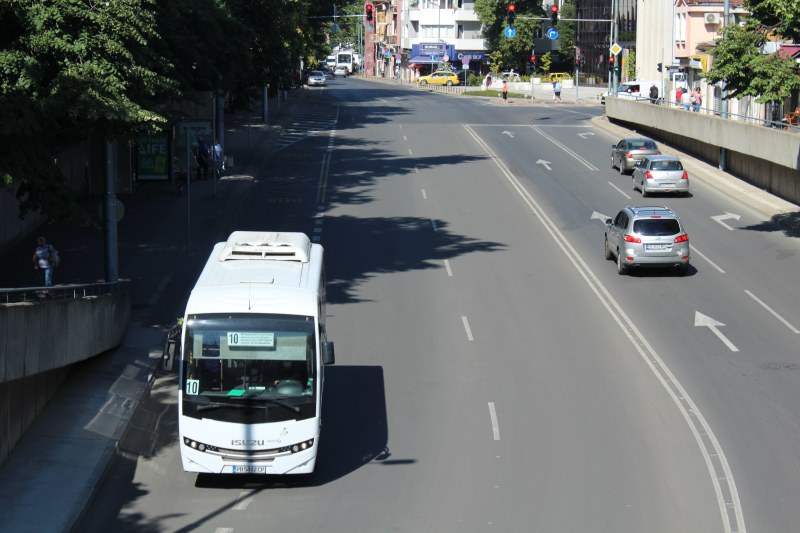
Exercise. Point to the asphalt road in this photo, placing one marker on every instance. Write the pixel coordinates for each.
(494, 373)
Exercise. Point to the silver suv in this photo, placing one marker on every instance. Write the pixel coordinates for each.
(647, 236)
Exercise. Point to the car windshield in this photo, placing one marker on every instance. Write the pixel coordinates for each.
(262, 362)
(317, 73)
(666, 165)
(651, 227)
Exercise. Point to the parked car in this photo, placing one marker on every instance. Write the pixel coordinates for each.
(317, 78)
(647, 236)
(635, 89)
(440, 77)
(660, 173)
(510, 77)
(627, 152)
(327, 73)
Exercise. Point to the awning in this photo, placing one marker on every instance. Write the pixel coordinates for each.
(423, 60)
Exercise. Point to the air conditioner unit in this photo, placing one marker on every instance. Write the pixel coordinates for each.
(712, 18)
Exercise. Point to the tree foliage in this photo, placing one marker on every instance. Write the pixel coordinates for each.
(515, 51)
(739, 60)
(69, 68)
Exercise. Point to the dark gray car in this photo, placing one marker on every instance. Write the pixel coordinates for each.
(647, 236)
(627, 152)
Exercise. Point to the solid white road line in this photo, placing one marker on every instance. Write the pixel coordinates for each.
(694, 249)
(773, 312)
(719, 470)
(623, 193)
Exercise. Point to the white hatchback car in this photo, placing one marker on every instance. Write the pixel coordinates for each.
(660, 174)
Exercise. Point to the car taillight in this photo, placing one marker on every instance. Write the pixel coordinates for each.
(685, 176)
(682, 238)
(629, 156)
(631, 238)
(648, 175)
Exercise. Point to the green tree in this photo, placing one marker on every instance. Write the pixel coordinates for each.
(68, 68)
(740, 63)
(630, 65)
(546, 62)
(566, 31)
(493, 17)
(495, 61)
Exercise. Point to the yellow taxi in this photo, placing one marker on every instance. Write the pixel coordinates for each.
(440, 77)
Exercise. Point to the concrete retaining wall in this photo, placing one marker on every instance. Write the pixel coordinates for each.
(765, 157)
(39, 342)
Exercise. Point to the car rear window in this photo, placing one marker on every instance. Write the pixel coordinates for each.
(666, 165)
(643, 145)
(650, 227)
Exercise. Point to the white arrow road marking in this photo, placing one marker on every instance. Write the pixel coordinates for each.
(584, 135)
(600, 216)
(702, 320)
(509, 134)
(545, 164)
(726, 216)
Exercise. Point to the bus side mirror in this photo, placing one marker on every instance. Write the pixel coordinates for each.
(328, 353)
(172, 348)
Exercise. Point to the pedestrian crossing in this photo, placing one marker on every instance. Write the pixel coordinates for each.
(305, 124)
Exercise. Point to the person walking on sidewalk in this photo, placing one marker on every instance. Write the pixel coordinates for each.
(202, 158)
(505, 91)
(556, 91)
(45, 259)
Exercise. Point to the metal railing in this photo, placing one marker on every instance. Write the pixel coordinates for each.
(758, 121)
(59, 292)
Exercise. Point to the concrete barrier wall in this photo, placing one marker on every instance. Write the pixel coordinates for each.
(39, 342)
(766, 157)
(37, 337)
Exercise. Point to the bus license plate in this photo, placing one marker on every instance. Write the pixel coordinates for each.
(249, 469)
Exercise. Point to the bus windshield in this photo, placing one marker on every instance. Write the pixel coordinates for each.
(249, 368)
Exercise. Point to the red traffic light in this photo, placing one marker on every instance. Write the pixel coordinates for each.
(611, 59)
(511, 7)
(554, 9)
(369, 12)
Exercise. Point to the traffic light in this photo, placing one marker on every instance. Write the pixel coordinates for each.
(610, 63)
(511, 14)
(554, 15)
(659, 67)
(369, 12)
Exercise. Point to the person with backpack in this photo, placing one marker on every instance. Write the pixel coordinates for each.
(653, 94)
(45, 259)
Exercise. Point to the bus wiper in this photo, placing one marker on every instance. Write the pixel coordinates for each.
(221, 405)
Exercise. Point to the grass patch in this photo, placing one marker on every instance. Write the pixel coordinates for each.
(491, 93)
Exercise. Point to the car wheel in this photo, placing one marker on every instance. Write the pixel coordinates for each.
(423, 82)
(644, 192)
(613, 166)
(449, 83)
(621, 168)
(606, 249)
(621, 268)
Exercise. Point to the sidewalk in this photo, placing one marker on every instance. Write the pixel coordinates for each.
(54, 470)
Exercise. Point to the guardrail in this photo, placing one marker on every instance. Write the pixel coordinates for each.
(451, 89)
(58, 292)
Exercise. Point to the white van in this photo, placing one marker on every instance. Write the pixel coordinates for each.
(636, 89)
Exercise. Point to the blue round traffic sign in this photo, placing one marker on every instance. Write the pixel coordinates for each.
(510, 31)
(552, 34)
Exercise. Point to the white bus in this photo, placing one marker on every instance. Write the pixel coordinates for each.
(330, 62)
(347, 58)
(253, 350)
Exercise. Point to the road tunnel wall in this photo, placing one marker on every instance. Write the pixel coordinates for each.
(768, 158)
(39, 341)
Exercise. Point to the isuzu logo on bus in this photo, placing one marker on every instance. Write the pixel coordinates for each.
(246, 442)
